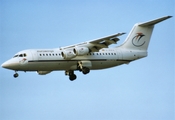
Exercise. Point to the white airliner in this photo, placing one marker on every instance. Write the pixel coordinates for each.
(86, 56)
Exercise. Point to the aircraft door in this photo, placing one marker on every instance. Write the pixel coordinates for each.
(34, 55)
(120, 55)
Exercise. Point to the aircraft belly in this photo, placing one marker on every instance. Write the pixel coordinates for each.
(67, 65)
(50, 65)
(105, 64)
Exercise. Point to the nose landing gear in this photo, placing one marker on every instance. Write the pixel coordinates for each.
(15, 75)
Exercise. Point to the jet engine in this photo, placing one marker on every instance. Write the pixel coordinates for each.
(68, 54)
(81, 51)
(43, 72)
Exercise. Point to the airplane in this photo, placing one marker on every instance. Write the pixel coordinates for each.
(86, 56)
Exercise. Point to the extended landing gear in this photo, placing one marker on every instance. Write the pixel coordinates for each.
(15, 75)
(81, 68)
(85, 70)
(71, 75)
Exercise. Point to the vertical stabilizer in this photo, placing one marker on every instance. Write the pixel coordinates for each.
(140, 35)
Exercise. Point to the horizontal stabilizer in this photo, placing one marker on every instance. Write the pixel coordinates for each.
(153, 22)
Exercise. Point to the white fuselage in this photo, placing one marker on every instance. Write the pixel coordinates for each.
(51, 59)
(86, 56)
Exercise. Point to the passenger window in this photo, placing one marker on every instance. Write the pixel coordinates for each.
(53, 54)
(43, 54)
(50, 54)
(40, 54)
(56, 54)
(25, 55)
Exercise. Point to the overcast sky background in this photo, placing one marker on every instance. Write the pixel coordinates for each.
(142, 90)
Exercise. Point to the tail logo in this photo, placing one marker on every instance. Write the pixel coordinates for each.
(137, 41)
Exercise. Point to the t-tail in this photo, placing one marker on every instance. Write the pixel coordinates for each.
(140, 35)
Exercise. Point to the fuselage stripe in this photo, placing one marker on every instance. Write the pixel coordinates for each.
(98, 60)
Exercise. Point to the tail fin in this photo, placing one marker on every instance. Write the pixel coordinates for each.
(139, 37)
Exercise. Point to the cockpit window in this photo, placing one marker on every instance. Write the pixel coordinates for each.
(15, 56)
(21, 55)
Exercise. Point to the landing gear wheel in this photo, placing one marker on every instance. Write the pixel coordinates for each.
(72, 77)
(15, 75)
(85, 70)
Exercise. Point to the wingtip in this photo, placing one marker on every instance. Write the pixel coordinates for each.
(122, 33)
(169, 16)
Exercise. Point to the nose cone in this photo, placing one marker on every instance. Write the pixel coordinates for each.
(5, 65)
(11, 64)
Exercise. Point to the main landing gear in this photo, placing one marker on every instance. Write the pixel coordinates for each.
(85, 70)
(81, 68)
(72, 76)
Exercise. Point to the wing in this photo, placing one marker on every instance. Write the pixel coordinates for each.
(97, 44)
(70, 52)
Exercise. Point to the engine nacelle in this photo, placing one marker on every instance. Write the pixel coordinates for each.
(43, 72)
(68, 54)
(81, 51)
